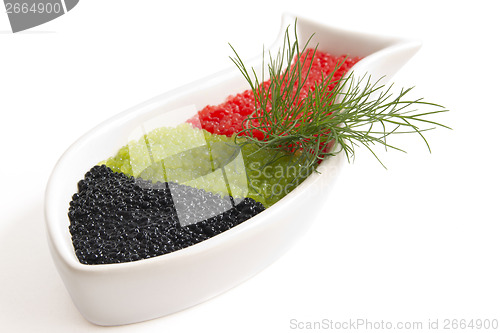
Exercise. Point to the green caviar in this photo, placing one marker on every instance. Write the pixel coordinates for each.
(215, 163)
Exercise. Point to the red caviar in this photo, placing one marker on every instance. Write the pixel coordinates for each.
(226, 118)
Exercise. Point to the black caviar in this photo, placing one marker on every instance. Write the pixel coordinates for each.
(115, 218)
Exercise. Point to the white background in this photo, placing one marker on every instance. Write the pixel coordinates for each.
(417, 241)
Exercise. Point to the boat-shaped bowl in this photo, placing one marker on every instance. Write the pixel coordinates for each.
(122, 293)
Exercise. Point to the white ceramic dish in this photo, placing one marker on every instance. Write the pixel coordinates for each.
(125, 293)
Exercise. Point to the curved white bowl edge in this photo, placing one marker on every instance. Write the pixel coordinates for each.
(137, 291)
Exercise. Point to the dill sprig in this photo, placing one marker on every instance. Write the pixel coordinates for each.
(355, 112)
